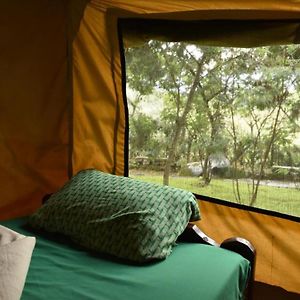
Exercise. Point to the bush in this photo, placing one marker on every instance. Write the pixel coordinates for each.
(232, 173)
(285, 173)
(185, 171)
(220, 172)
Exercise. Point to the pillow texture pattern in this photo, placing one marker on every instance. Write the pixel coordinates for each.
(117, 215)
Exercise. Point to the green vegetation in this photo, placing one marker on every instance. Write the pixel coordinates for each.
(218, 107)
(284, 200)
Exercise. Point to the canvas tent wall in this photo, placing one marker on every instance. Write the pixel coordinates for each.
(62, 104)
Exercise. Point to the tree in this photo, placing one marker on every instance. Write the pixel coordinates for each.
(143, 129)
(187, 74)
(240, 102)
(177, 73)
(263, 100)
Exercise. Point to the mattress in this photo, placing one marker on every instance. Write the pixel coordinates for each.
(58, 270)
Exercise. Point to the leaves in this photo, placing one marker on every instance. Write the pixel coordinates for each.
(243, 103)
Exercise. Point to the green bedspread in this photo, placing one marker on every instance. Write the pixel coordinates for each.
(59, 271)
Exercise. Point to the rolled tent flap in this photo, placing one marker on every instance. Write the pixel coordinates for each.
(223, 33)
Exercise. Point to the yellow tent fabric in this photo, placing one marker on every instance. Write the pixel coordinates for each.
(97, 67)
(276, 240)
(62, 107)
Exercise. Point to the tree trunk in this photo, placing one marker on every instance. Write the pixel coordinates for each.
(189, 150)
(206, 174)
(180, 123)
(235, 179)
(266, 154)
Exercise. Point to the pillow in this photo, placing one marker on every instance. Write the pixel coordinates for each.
(15, 256)
(117, 215)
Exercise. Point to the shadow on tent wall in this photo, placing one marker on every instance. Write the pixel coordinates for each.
(263, 291)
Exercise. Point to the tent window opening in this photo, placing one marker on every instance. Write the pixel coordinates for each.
(222, 122)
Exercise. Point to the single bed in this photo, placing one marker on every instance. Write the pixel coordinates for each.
(60, 270)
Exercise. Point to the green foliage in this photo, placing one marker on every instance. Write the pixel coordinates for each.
(144, 71)
(245, 104)
(143, 129)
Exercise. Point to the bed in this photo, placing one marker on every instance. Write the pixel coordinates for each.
(106, 237)
(60, 270)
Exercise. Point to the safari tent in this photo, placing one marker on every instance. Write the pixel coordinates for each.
(63, 103)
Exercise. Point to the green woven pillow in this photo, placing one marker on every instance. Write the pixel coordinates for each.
(117, 215)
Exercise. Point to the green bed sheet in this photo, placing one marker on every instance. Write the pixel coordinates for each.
(60, 271)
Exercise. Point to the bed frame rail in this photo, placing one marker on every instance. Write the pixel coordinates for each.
(193, 234)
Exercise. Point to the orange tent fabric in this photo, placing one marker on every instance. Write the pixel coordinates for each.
(62, 107)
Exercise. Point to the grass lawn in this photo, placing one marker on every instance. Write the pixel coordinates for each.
(284, 200)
